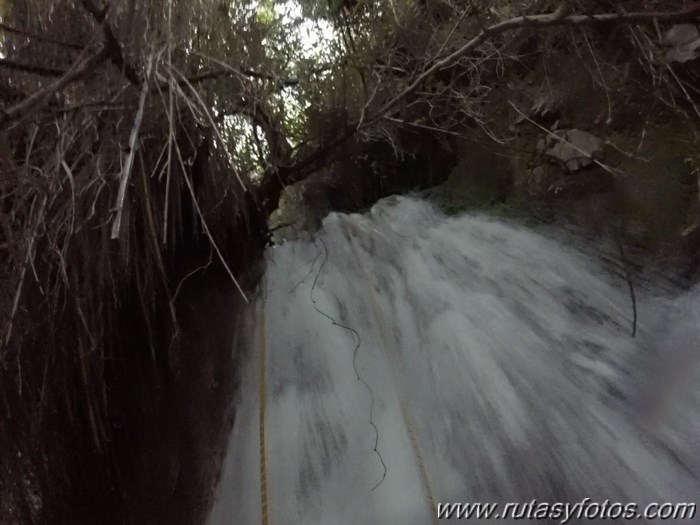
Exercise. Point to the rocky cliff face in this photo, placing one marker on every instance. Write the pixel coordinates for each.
(598, 147)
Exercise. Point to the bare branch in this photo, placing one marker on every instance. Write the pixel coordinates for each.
(211, 75)
(113, 48)
(542, 21)
(133, 144)
(34, 101)
(30, 68)
(40, 38)
(557, 18)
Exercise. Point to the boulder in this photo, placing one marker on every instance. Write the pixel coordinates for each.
(571, 148)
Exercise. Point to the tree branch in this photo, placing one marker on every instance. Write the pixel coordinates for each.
(40, 38)
(113, 48)
(133, 145)
(217, 73)
(557, 18)
(261, 115)
(31, 103)
(543, 21)
(29, 68)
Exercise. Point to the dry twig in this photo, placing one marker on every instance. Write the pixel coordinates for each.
(133, 145)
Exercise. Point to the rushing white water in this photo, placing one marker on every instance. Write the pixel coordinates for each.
(494, 364)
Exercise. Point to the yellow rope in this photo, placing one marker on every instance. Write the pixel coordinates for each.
(263, 449)
(410, 428)
(425, 479)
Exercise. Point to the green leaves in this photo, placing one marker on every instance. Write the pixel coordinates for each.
(265, 13)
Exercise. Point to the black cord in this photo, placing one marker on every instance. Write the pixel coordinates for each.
(356, 334)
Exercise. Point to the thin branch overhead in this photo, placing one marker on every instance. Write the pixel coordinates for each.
(133, 145)
(541, 22)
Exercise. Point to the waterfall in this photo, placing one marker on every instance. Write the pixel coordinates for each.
(413, 358)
